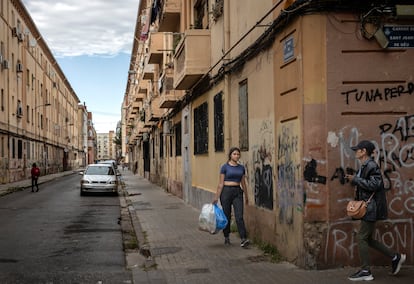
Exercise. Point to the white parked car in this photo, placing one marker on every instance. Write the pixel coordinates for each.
(99, 178)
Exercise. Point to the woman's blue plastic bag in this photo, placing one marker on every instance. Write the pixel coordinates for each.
(221, 219)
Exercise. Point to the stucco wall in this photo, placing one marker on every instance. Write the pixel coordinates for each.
(371, 98)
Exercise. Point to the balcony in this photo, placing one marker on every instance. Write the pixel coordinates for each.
(136, 105)
(149, 71)
(155, 113)
(156, 48)
(170, 16)
(143, 88)
(168, 95)
(192, 58)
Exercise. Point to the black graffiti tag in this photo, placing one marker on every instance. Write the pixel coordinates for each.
(404, 127)
(377, 94)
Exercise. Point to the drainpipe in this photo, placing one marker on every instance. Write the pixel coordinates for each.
(227, 83)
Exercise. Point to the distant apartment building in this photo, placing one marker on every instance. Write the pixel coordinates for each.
(293, 84)
(40, 118)
(105, 146)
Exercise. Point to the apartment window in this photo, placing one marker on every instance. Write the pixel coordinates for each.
(28, 77)
(243, 117)
(19, 149)
(201, 129)
(13, 148)
(2, 147)
(161, 145)
(153, 147)
(218, 122)
(27, 116)
(177, 132)
(171, 146)
(201, 14)
(28, 151)
(2, 99)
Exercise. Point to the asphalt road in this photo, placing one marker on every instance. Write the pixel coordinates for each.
(57, 236)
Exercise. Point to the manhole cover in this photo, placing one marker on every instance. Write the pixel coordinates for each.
(197, 270)
(164, 250)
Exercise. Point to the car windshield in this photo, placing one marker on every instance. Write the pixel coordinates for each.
(99, 171)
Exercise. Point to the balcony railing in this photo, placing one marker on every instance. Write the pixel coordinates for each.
(192, 59)
(170, 16)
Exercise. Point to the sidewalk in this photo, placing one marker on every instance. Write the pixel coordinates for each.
(23, 184)
(180, 253)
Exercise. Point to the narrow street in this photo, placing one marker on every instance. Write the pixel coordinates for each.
(57, 236)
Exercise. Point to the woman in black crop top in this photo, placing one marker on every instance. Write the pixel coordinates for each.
(230, 190)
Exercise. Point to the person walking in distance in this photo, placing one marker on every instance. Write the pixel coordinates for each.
(368, 181)
(231, 189)
(35, 173)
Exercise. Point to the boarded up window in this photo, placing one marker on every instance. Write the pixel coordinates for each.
(201, 129)
(218, 122)
(243, 117)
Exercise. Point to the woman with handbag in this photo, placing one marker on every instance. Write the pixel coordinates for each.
(369, 183)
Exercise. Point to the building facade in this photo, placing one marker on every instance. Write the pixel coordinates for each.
(294, 84)
(39, 116)
(106, 147)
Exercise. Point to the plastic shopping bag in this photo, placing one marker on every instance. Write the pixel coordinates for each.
(207, 219)
(221, 219)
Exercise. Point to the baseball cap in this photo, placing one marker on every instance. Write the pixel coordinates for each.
(365, 144)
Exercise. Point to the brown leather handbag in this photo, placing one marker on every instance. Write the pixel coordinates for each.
(357, 208)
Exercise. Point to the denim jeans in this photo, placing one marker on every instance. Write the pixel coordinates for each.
(365, 241)
(233, 195)
(34, 183)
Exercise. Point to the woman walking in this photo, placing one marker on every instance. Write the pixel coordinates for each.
(369, 182)
(230, 190)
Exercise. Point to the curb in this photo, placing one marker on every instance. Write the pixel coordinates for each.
(138, 259)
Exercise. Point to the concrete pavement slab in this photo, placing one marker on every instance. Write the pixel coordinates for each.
(168, 227)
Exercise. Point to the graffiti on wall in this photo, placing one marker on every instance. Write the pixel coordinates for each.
(263, 170)
(312, 190)
(288, 169)
(373, 95)
(341, 241)
(395, 155)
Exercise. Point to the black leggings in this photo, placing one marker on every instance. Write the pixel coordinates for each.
(233, 195)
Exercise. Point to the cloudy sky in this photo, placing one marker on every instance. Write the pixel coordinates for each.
(92, 42)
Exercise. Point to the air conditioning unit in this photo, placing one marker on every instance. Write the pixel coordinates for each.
(19, 67)
(5, 64)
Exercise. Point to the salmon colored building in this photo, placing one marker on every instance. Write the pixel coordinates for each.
(294, 84)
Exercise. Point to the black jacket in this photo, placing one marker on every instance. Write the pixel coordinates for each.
(370, 181)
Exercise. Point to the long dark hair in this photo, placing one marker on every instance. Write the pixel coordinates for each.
(232, 149)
